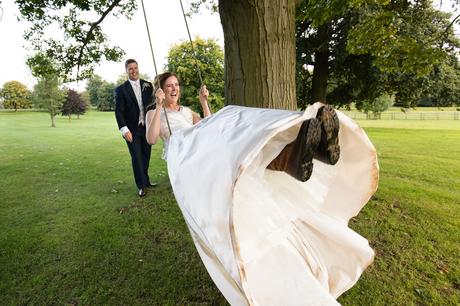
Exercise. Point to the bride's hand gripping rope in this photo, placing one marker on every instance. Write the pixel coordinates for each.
(204, 94)
(159, 97)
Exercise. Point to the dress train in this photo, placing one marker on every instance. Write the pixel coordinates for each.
(264, 237)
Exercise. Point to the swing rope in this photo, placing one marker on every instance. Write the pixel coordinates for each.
(193, 49)
(153, 55)
(155, 64)
(191, 44)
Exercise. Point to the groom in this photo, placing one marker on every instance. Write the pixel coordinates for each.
(131, 99)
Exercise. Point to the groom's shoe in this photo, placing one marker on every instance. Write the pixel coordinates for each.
(141, 192)
(328, 149)
(300, 165)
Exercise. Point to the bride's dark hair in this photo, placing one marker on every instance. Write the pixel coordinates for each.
(162, 79)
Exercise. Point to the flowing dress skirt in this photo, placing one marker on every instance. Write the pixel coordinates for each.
(264, 237)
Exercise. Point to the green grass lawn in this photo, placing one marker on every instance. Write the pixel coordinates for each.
(73, 231)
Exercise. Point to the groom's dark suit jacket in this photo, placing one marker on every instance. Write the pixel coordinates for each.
(127, 114)
(126, 107)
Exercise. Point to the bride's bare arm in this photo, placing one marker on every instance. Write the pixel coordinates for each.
(204, 94)
(153, 125)
(153, 119)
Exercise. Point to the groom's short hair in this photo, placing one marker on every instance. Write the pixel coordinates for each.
(129, 61)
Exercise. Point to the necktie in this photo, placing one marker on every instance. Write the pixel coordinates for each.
(137, 92)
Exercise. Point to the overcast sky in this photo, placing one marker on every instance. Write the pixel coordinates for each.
(166, 24)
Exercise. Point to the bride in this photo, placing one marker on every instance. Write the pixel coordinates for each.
(269, 237)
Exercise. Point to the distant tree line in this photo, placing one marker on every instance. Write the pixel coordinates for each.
(47, 95)
(50, 95)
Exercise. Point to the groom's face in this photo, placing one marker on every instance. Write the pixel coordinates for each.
(133, 71)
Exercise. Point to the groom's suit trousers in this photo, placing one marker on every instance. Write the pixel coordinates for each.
(140, 157)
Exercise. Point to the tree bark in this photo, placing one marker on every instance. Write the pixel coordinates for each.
(52, 121)
(259, 38)
(321, 69)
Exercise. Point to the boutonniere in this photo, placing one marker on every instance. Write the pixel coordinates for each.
(146, 85)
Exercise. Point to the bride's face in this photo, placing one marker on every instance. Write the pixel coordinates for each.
(171, 90)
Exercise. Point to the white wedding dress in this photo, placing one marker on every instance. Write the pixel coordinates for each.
(264, 237)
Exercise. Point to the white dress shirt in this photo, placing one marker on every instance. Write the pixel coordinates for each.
(136, 85)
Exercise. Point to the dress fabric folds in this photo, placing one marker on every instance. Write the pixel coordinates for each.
(264, 237)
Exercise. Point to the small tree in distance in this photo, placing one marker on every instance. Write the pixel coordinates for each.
(377, 106)
(73, 104)
(15, 95)
(47, 95)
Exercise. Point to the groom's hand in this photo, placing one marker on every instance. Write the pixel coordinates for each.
(128, 136)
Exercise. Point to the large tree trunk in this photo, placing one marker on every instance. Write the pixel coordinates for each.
(321, 70)
(259, 52)
(52, 120)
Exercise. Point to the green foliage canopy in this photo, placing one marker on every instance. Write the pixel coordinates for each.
(101, 93)
(15, 95)
(92, 87)
(106, 97)
(78, 43)
(374, 47)
(443, 87)
(401, 36)
(209, 57)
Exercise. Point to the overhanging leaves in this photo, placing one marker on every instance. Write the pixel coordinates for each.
(76, 43)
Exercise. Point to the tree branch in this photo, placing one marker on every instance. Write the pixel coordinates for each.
(444, 34)
(90, 32)
(452, 22)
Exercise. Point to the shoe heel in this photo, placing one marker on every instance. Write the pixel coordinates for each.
(329, 150)
(333, 154)
(312, 141)
(305, 171)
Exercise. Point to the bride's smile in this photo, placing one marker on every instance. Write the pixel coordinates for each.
(172, 91)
